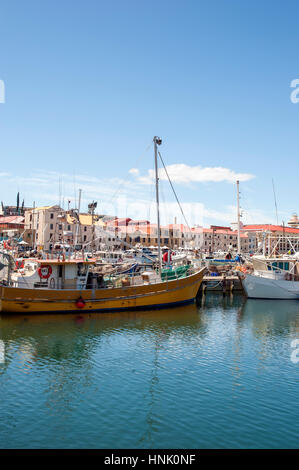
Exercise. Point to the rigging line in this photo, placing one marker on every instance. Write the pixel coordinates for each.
(166, 209)
(174, 191)
(75, 191)
(121, 185)
(162, 198)
(151, 196)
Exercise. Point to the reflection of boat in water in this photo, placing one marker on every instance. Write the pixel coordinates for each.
(80, 356)
(271, 318)
(263, 307)
(51, 330)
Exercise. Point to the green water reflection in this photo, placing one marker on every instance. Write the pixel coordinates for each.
(214, 375)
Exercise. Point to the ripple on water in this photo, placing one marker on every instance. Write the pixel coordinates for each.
(218, 376)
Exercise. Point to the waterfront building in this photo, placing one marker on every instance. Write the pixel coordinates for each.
(44, 226)
(11, 226)
(294, 221)
(276, 239)
(217, 238)
(143, 234)
(49, 225)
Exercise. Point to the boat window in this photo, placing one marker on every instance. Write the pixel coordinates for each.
(82, 269)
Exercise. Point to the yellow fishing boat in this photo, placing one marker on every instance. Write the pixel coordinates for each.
(62, 286)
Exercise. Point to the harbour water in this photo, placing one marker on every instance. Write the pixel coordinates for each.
(218, 375)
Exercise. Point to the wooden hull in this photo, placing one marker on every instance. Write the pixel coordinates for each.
(161, 295)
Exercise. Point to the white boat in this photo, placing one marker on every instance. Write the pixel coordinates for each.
(272, 278)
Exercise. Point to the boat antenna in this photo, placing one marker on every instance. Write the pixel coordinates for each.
(158, 141)
(78, 220)
(33, 227)
(238, 214)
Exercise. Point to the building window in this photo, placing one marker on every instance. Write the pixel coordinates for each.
(51, 226)
(60, 227)
(51, 216)
(85, 238)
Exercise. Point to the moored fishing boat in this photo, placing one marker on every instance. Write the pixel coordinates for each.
(272, 278)
(62, 286)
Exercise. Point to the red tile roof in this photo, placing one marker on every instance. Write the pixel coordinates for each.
(270, 227)
(12, 219)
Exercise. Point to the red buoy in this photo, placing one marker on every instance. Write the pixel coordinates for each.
(80, 303)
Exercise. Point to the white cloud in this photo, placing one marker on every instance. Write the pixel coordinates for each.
(134, 171)
(124, 198)
(181, 173)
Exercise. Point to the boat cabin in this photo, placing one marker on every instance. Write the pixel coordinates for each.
(52, 274)
(276, 268)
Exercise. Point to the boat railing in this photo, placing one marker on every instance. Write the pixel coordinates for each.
(115, 280)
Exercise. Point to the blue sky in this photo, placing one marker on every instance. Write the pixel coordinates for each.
(88, 84)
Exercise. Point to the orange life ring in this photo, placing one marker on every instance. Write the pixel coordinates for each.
(45, 271)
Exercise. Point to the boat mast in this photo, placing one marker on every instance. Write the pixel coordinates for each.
(158, 141)
(275, 202)
(33, 228)
(238, 209)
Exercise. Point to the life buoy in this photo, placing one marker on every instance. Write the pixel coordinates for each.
(80, 303)
(45, 271)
